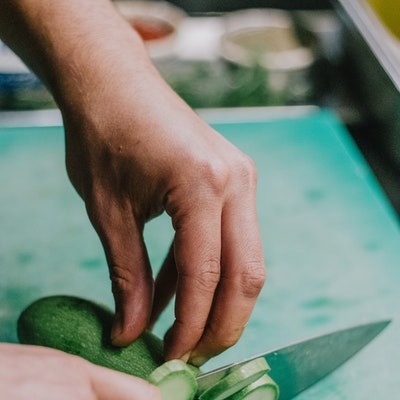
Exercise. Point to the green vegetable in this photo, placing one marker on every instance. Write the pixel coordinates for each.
(236, 380)
(83, 328)
(176, 380)
(263, 388)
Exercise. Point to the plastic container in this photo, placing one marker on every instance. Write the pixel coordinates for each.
(157, 22)
(267, 39)
(19, 87)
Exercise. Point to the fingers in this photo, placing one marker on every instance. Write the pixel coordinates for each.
(108, 385)
(130, 271)
(165, 286)
(197, 255)
(242, 276)
(220, 265)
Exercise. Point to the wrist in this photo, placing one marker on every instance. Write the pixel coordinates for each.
(89, 66)
(79, 49)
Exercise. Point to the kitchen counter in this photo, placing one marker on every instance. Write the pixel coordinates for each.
(331, 239)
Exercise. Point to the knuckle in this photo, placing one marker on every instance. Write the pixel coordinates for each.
(226, 342)
(215, 175)
(252, 279)
(208, 275)
(222, 339)
(121, 279)
(247, 171)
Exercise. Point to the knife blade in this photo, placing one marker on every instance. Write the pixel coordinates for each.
(300, 365)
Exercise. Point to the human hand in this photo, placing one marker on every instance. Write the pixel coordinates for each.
(132, 157)
(134, 149)
(33, 372)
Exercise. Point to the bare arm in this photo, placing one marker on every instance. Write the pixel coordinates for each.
(134, 149)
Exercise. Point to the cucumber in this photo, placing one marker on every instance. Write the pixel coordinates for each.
(176, 380)
(236, 380)
(81, 327)
(264, 388)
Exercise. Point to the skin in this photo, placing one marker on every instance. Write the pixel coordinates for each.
(67, 377)
(134, 150)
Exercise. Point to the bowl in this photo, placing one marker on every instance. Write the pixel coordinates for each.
(267, 39)
(157, 22)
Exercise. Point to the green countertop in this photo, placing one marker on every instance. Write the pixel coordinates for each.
(331, 240)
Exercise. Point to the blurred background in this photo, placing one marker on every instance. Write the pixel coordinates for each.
(340, 54)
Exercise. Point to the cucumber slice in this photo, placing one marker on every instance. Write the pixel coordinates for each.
(175, 379)
(195, 370)
(264, 388)
(236, 380)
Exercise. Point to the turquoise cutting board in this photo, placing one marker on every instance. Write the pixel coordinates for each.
(331, 239)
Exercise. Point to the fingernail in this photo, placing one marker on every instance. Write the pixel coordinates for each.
(198, 361)
(186, 356)
(115, 339)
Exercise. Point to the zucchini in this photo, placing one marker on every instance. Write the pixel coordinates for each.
(264, 388)
(236, 380)
(83, 328)
(176, 380)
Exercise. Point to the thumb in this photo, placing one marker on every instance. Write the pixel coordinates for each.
(130, 273)
(108, 384)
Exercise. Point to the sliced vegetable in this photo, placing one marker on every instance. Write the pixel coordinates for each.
(81, 327)
(195, 370)
(175, 379)
(236, 380)
(264, 388)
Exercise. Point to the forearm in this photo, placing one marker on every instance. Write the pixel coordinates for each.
(133, 150)
(73, 45)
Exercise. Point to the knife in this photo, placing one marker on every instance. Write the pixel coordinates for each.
(300, 365)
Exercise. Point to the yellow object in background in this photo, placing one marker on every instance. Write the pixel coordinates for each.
(389, 13)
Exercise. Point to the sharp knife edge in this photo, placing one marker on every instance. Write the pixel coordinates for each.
(299, 365)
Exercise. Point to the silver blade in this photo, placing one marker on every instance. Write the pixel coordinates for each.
(300, 365)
